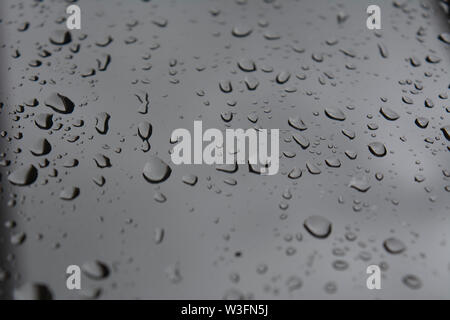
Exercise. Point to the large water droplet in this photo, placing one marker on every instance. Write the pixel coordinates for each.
(318, 226)
(144, 130)
(360, 183)
(23, 176)
(297, 123)
(101, 122)
(59, 103)
(394, 246)
(301, 140)
(377, 149)
(389, 114)
(446, 131)
(44, 121)
(32, 291)
(412, 281)
(102, 161)
(335, 114)
(156, 170)
(40, 147)
(95, 269)
(61, 37)
(241, 31)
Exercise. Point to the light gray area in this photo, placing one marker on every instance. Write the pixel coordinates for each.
(213, 240)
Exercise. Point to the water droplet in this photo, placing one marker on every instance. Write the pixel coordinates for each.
(444, 37)
(247, 65)
(69, 193)
(159, 197)
(407, 100)
(412, 281)
(95, 269)
(422, 122)
(389, 114)
(383, 50)
(190, 179)
(18, 238)
(295, 173)
(32, 291)
(241, 31)
(102, 161)
(394, 246)
(333, 162)
(59, 103)
(429, 103)
(229, 168)
(44, 121)
(349, 133)
(297, 123)
(340, 265)
(301, 140)
(158, 235)
(360, 183)
(377, 149)
(446, 131)
(318, 226)
(144, 130)
(60, 37)
(283, 77)
(101, 122)
(40, 147)
(225, 86)
(23, 176)
(156, 170)
(335, 114)
(312, 168)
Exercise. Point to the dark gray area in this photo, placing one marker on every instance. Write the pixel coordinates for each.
(230, 235)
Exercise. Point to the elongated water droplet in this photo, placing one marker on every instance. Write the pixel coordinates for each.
(333, 162)
(23, 176)
(394, 246)
(335, 114)
(247, 65)
(59, 103)
(301, 140)
(318, 226)
(389, 114)
(312, 168)
(295, 173)
(144, 130)
(225, 86)
(297, 123)
(101, 122)
(44, 121)
(283, 77)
